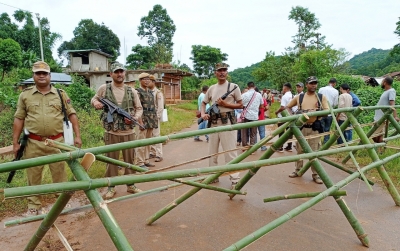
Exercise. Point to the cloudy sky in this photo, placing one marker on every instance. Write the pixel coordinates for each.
(245, 30)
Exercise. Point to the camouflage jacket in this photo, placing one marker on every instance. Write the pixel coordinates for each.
(149, 116)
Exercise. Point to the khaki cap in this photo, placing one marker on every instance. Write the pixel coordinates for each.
(144, 75)
(152, 77)
(221, 66)
(41, 66)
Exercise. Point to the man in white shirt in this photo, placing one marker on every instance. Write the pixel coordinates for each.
(345, 100)
(252, 102)
(332, 95)
(286, 98)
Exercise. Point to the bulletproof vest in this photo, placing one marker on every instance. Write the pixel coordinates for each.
(149, 116)
(127, 105)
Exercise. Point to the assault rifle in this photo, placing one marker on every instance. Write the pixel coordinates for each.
(112, 108)
(214, 108)
(22, 142)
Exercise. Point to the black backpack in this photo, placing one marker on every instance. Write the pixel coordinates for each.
(301, 97)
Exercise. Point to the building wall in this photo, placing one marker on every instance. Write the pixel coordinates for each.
(76, 63)
(97, 62)
(96, 80)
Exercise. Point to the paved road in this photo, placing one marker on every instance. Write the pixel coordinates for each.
(210, 221)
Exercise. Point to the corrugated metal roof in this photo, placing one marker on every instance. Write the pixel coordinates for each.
(55, 78)
(90, 50)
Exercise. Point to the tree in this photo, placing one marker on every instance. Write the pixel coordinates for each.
(307, 36)
(204, 58)
(29, 58)
(158, 28)
(10, 55)
(141, 58)
(90, 35)
(396, 48)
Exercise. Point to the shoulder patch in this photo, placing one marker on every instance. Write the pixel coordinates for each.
(28, 88)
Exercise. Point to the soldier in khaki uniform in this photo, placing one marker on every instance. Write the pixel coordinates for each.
(121, 129)
(148, 119)
(156, 150)
(311, 102)
(226, 117)
(39, 110)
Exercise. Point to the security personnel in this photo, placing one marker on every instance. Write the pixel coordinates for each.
(308, 102)
(148, 119)
(225, 117)
(121, 129)
(156, 150)
(39, 110)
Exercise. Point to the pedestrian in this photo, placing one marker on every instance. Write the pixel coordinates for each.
(156, 150)
(149, 120)
(387, 98)
(121, 129)
(252, 102)
(238, 112)
(355, 102)
(307, 102)
(332, 95)
(261, 116)
(225, 117)
(40, 110)
(299, 88)
(268, 98)
(286, 98)
(345, 100)
(202, 125)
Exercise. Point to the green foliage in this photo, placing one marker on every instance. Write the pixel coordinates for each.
(204, 59)
(396, 47)
(29, 57)
(242, 76)
(6, 124)
(91, 35)
(369, 96)
(141, 58)
(355, 83)
(10, 55)
(191, 83)
(367, 63)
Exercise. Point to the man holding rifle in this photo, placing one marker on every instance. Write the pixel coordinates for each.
(226, 116)
(120, 129)
(40, 111)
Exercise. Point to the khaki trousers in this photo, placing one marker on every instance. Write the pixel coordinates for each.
(156, 149)
(142, 153)
(314, 144)
(34, 149)
(127, 154)
(228, 142)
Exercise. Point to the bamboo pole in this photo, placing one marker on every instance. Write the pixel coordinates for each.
(101, 209)
(358, 229)
(16, 192)
(306, 205)
(201, 185)
(302, 195)
(374, 156)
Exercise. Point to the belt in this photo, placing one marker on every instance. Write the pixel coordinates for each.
(43, 138)
(307, 125)
(149, 109)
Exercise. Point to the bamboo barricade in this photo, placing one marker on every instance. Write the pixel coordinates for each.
(289, 128)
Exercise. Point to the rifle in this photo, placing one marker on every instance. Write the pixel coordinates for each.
(114, 108)
(214, 108)
(22, 142)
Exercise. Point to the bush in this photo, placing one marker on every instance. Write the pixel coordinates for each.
(6, 124)
(355, 83)
(369, 96)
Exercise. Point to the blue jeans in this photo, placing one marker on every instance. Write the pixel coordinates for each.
(327, 122)
(347, 134)
(202, 125)
(261, 132)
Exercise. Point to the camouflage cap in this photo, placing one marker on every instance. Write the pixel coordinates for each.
(221, 66)
(117, 66)
(312, 79)
(143, 75)
(152, 77)
(300, 84)
(41, 66)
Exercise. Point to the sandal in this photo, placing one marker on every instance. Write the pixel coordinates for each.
(158, 159)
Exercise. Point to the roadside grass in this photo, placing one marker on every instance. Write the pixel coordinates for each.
(180, 116)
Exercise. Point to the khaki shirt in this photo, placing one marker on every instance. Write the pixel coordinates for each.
(158, 101)
(42, 113)
(345, 100)
(310, 102)
(216, 91)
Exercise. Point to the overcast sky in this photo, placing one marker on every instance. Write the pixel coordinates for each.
(245, 30)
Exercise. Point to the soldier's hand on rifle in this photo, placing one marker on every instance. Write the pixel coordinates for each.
(221, 102)
(97, 104)
(16, 148)
(205, 116)
(128, 121)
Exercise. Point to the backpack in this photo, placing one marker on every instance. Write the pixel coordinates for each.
(301, 97)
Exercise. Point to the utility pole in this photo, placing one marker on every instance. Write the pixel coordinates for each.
(40, 36)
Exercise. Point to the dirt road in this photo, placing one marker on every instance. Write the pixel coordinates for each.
(210, 221)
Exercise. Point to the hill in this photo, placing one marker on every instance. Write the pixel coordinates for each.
(242, 76)
(375, 62)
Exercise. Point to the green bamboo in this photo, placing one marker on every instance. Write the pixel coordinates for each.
(48, 221)
(371, 131)
(330, 142)
(16, 192)
(270, 151)
(374, 156)
(334, 164)
(358, 229)
(204, 186)
(211, 178)
(101, 209)
(394, 123)
(306, 205)
(301, 195)
(79, 209)
(391, 138)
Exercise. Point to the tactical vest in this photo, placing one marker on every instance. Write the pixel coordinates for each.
(149, 116)
(127, 105)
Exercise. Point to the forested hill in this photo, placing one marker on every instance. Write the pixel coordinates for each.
(242, 76)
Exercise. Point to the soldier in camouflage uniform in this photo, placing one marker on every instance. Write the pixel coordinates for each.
(149, 120)
(156, 150)
(121, 129)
